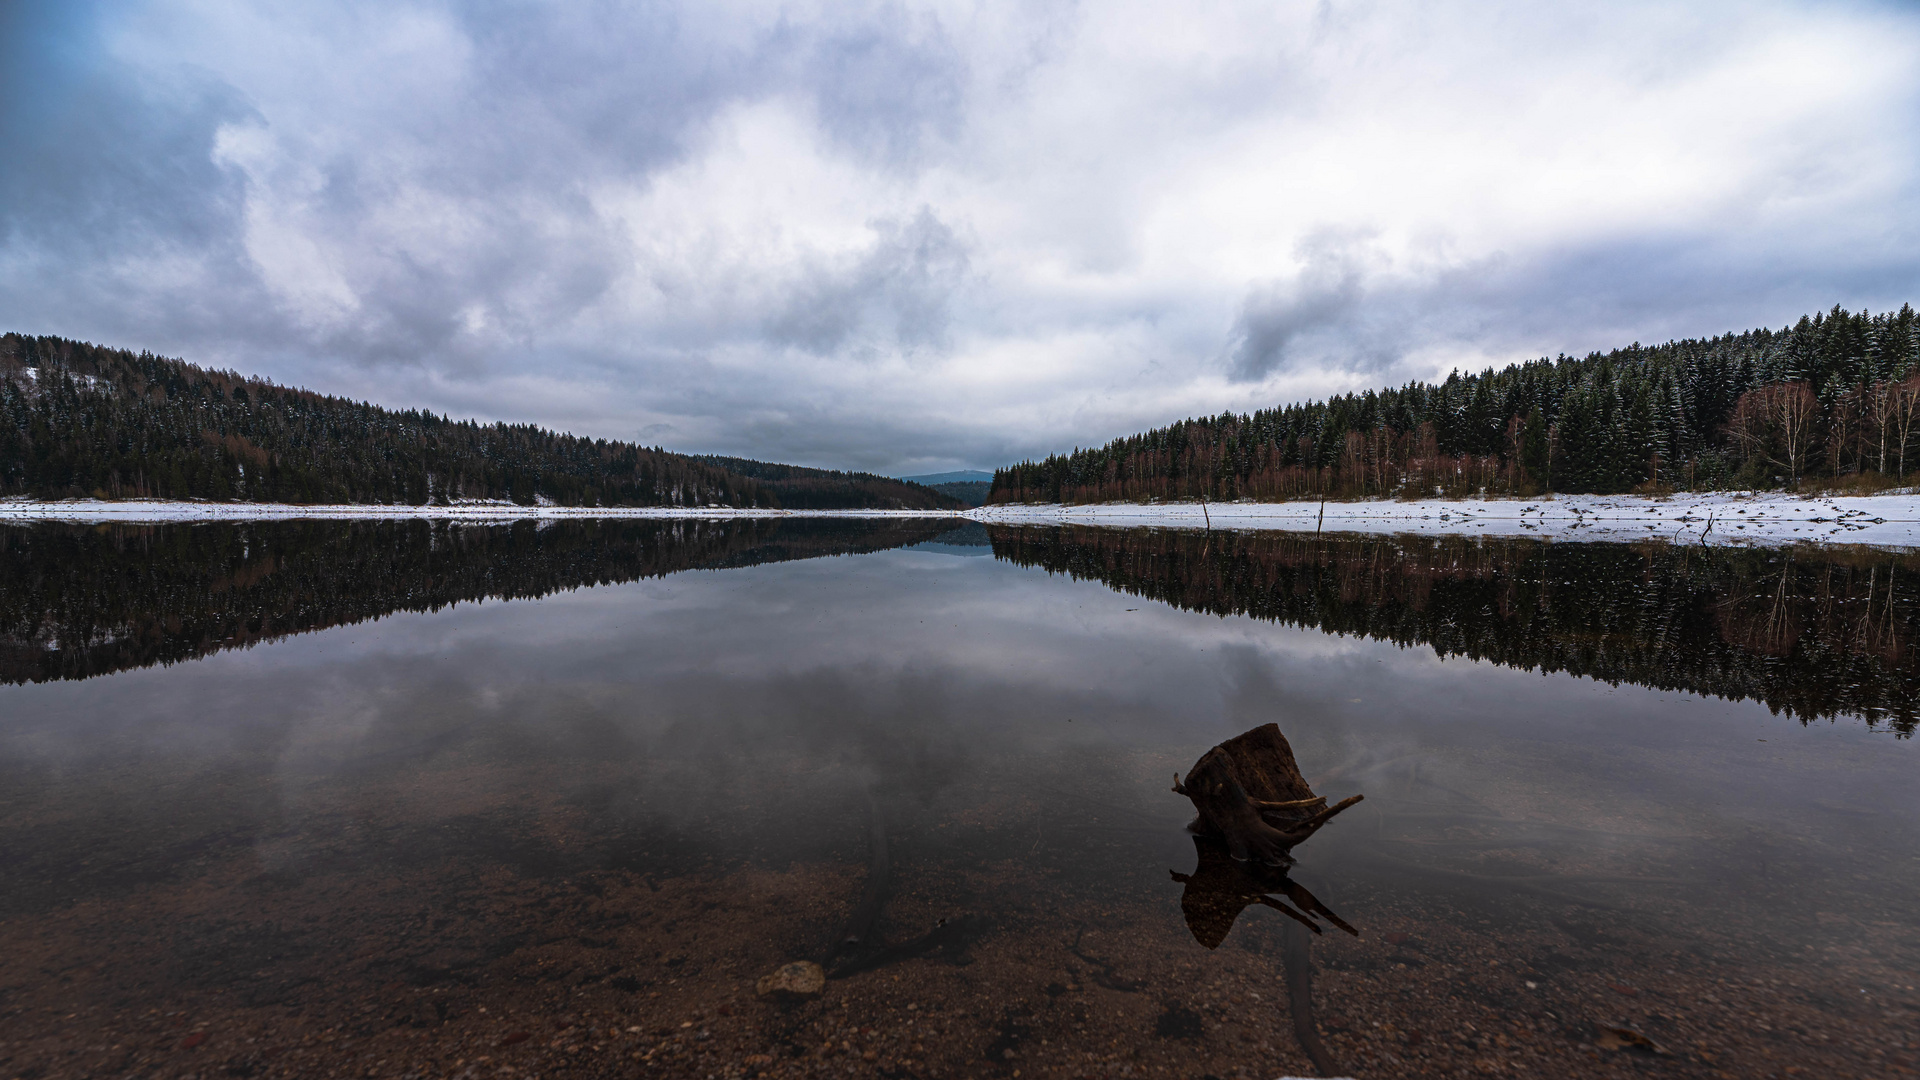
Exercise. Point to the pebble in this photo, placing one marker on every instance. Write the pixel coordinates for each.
(800, 979)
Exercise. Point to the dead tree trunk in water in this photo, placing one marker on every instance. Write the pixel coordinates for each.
(1254, 803)
(1250, 794)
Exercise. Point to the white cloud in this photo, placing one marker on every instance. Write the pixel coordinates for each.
(948, 234)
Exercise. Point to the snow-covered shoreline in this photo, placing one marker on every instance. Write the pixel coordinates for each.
(1731, 518)
(1727, 518)
(94, 511)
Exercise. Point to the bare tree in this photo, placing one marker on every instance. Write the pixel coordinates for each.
(1380, 457)
(1353, 460)
(1878, 408)
(1775, 423)
(1846, 426)
(1903, 408)
(1424, 458)
(1516, 439)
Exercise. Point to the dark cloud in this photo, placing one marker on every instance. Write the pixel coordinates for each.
(107, 179)
(884, 88)
(1275, 321)
(899, 287)
(100, 157)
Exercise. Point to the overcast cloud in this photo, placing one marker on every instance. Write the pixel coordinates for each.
(910, 237)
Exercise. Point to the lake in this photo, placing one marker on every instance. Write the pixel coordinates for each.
(420, 799)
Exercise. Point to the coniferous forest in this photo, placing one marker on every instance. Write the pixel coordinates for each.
(84, 420)
(800, 488)
(1833, 401)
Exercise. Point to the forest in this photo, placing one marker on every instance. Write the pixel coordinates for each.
(1812, 632)
(801, 488)
(80, 420)
(1832, 402)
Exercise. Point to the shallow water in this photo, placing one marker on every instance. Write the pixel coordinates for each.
(300, 799)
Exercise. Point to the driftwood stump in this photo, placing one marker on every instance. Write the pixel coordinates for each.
(1251, 797)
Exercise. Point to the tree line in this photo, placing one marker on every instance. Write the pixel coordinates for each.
(78, 420)
(800, 488)
(1810, 632)
(1832, 400)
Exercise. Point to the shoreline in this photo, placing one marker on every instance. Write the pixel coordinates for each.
(1717, 518)
(1891, 520)
(154, 511)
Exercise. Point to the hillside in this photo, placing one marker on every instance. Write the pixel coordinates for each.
(969, 492)
(84, 420)
(1833, 400)
(801, 488)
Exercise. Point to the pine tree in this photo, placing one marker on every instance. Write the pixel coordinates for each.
(1533, 454)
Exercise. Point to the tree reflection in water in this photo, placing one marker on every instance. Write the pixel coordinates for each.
(79, 601)
(1221, 887)
(1812, 632)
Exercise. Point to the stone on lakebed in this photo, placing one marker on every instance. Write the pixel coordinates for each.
(800, 979)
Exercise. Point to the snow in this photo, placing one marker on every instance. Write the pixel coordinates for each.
(1891, 520)
(1768, 518)
(91, 382)
(93, 511)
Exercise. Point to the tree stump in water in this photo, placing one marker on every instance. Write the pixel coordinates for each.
(1251, 796)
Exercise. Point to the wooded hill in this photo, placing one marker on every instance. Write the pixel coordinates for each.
(971, 492)
(1832, 399)
(801, 488)
(79, 419)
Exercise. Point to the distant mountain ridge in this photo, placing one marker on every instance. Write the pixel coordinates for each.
(78, 419)
(959, 476)
(970, 486)
(802, 488)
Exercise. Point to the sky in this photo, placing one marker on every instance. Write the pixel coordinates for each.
(907, 237)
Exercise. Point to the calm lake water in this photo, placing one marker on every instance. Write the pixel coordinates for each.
(411, 799)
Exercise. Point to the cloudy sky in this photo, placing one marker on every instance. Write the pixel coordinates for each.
(908, 237)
